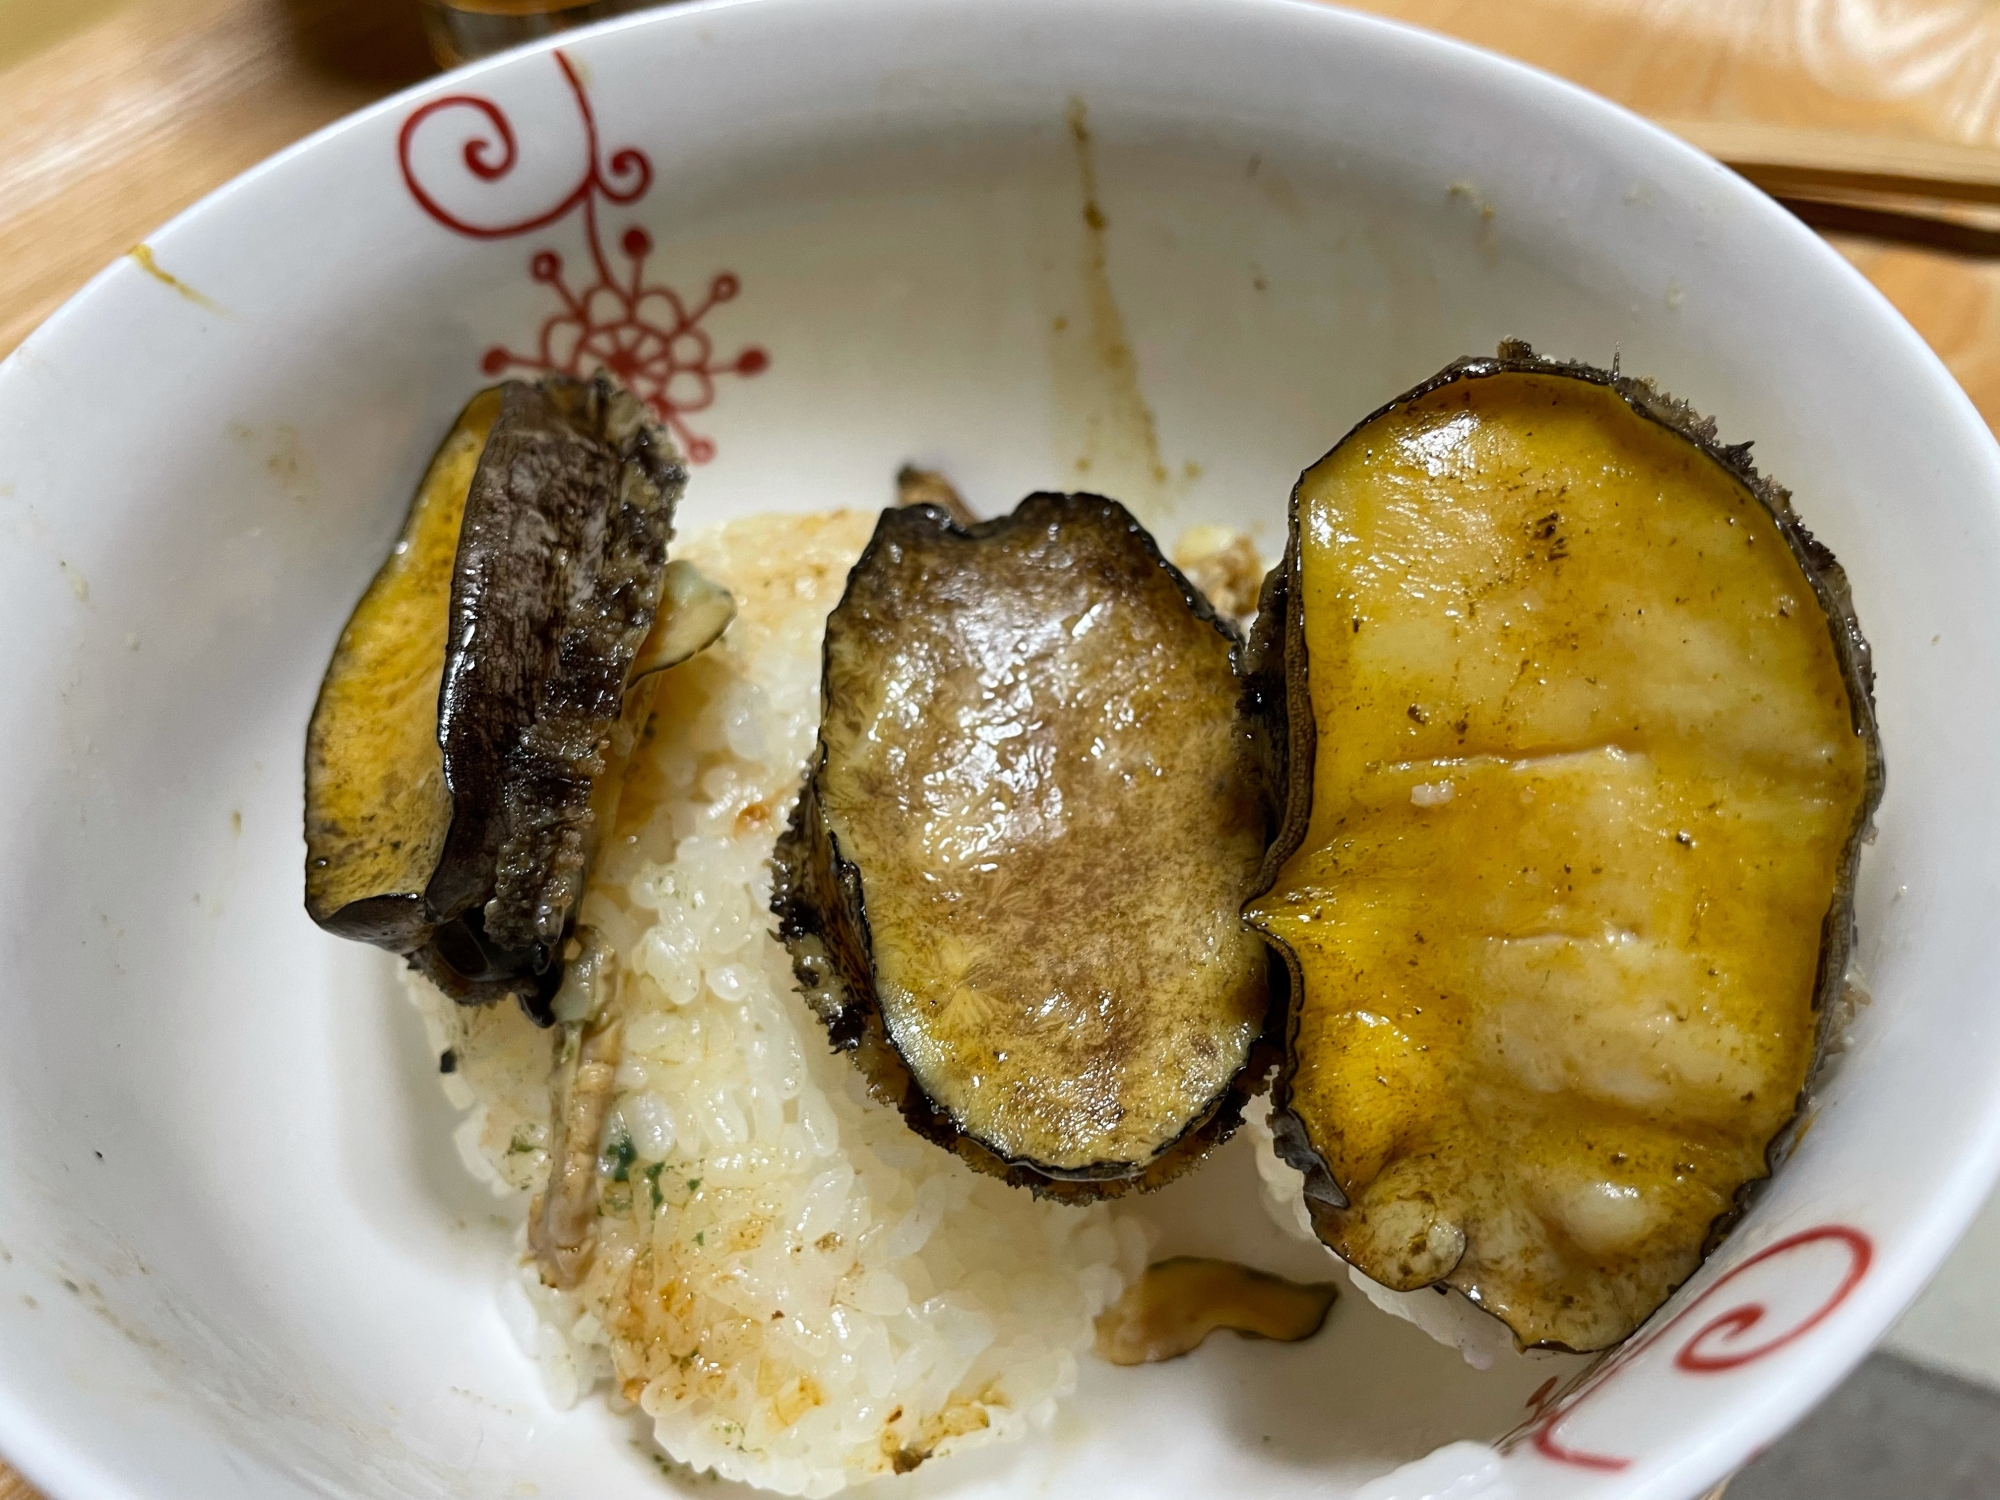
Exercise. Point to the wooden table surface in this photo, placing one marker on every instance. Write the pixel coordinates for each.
(116, 114)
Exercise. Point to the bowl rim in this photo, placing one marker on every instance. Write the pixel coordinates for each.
(66, 1470)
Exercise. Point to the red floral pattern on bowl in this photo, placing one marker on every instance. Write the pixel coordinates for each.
(645, 335)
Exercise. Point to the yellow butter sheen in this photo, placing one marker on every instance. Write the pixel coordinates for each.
(1586, 774)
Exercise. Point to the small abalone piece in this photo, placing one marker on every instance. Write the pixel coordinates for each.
(1575, 724)
(1012, 884)
(1172, 1309)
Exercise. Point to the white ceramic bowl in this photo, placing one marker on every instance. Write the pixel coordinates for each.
(237, 1257)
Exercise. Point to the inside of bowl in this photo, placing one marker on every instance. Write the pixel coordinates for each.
(1170, 255)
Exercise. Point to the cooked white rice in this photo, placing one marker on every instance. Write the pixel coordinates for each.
(796, 1289)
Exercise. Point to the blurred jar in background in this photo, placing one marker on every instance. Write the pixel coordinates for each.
(460, 30)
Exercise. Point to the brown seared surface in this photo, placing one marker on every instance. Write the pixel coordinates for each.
(560, 571)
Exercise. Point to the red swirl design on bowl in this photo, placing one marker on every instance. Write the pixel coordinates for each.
(644, 334)
(1703, 1355)
(1731, 1339)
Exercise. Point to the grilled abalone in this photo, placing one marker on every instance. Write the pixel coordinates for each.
(470, 730)
(1576, 726)
(1012, 883)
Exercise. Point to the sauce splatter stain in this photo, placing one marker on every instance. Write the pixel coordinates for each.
(1468, 192)
(142, 255)
(290, 466)
(1117, 443)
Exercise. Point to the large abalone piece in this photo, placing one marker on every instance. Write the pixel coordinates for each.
(1575, 727)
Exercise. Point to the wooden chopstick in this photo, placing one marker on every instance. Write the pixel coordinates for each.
(1789, 161)
(1928, 193)
(1899, 224)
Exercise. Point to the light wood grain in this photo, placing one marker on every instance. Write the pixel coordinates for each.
(1770, 62)
(116, 114)
(117, 127)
